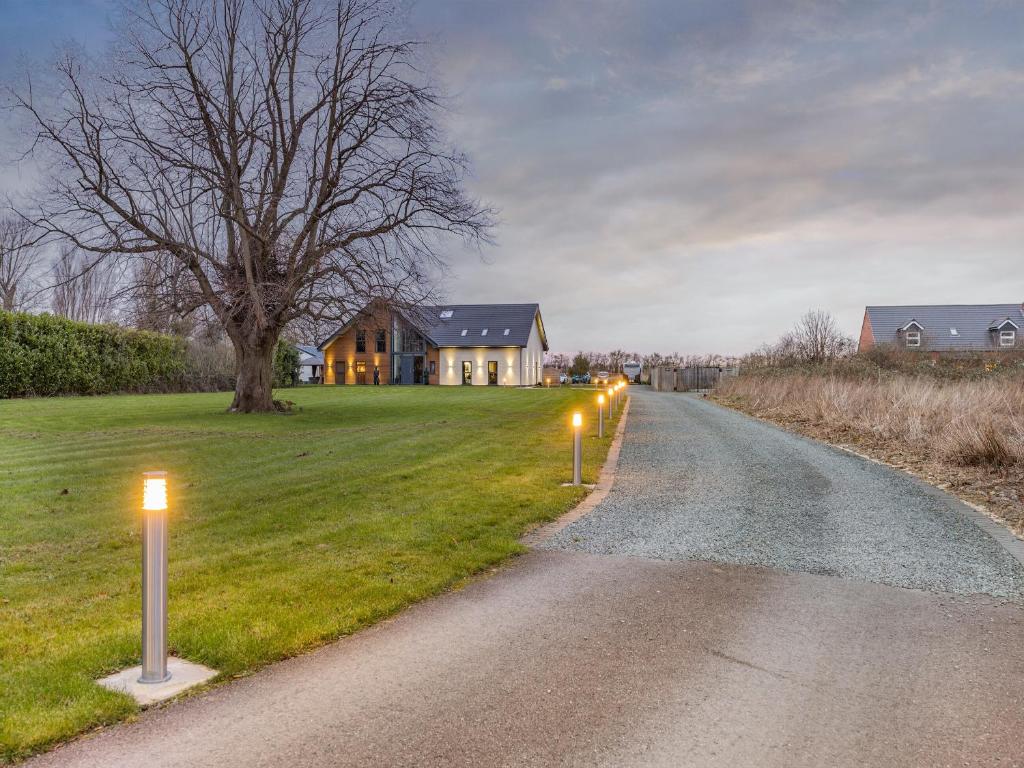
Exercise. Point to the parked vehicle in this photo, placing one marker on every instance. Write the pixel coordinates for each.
(632, 369)
(602, 378)
(563, 379)
(583, 378)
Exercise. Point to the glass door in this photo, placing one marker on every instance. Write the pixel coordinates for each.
(492, 373)
(467, 372)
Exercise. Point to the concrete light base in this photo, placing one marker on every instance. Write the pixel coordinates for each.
(184, 675)
(588, 486)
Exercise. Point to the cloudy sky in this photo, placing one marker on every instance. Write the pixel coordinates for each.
(691, 176)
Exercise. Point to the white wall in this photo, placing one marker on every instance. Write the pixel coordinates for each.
(533, 358)
(451, 359)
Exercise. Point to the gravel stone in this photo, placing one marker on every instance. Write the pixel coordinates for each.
(697, 481)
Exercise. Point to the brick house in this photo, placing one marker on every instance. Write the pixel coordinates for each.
(944, 328)
(471, 344)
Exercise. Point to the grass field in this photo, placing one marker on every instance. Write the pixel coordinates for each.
(286, 531)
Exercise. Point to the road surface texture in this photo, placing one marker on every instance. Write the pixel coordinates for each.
(610, 647)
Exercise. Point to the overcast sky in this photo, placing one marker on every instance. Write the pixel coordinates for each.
(691, 176)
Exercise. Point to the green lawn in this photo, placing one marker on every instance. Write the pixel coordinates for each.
(286, 531)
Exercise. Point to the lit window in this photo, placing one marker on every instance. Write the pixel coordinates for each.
(954, 332)
(447, 314)
(1007, 338)
(913, 338)
(483, 332)
(465, 331)
(507, 331)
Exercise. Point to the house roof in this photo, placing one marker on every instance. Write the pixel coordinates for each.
(973, 324)
(309, 355)
(462, 325)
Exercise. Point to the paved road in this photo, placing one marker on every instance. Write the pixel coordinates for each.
(638, 656)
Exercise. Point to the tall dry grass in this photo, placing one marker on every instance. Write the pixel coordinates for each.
(965, 422)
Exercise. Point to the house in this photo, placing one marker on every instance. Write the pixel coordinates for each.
(311, 364)
(471, 344)
(944, 328)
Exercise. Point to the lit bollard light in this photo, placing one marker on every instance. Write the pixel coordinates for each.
(611, 403)
(154, 578)
(577, 449)
(600, 415)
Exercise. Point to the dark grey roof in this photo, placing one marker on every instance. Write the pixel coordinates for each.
(516, 319)
(973, 324)
(309, 355)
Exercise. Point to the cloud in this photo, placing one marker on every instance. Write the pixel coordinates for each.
(692, 176)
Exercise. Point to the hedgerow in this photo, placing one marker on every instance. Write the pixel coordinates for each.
(48, 355)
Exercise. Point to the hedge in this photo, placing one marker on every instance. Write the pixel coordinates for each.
(48, 355)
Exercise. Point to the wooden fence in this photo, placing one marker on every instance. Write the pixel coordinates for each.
(667, 378)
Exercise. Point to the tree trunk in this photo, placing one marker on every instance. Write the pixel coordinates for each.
(253, 387)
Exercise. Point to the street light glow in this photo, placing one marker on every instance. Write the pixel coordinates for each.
(577, 420)
(154, 491)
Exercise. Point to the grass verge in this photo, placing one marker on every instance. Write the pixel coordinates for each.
(286, 531)
(964, 436)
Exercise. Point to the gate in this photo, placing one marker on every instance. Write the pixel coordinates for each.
(690, 379)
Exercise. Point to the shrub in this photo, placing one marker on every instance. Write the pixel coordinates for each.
(47, 355)
(286, 364)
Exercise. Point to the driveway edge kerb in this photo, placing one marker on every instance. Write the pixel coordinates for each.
(604, 484)
(973, 512)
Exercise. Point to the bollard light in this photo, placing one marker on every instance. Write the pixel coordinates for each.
(611, 397)
(600, 415)
(154, 578)
(577, 449)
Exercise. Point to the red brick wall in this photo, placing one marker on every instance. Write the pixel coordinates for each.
(867, 337)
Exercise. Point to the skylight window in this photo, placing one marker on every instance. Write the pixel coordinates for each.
(507, 331)
(465, 331)
(483, 332)
(954, 332)
(447, 313)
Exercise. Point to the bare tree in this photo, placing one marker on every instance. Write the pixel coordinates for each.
(284, 152)
(84, 288)
(19, 257)
(558, 360)
(818, 338)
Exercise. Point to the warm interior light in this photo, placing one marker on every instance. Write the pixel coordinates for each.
(154, 491)
(577, 419)
(600, 399)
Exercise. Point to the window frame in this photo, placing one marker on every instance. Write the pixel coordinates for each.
(361, 341)
(1007, 334)
(913, 338)
(380, 342)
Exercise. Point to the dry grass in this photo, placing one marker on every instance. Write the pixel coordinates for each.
(966, 435)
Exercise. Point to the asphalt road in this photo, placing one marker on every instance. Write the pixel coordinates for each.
(617, 650)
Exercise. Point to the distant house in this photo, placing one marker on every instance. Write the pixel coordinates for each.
(311, 364)
(464, 344)
(944, 328)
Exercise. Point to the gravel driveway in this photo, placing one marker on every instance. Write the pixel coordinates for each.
(697, 481)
